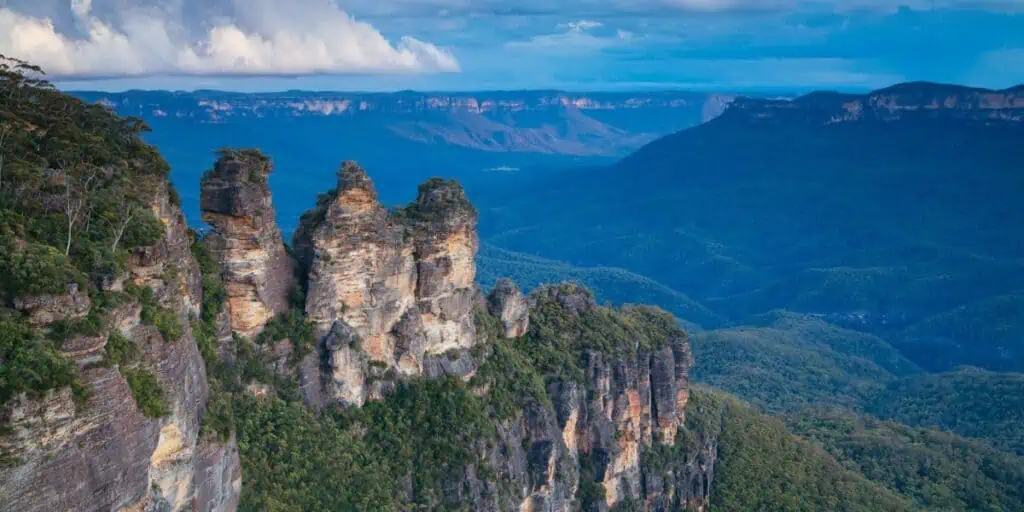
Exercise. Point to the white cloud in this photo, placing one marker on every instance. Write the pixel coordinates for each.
(580, 26)
(574, 36)
(271, 37)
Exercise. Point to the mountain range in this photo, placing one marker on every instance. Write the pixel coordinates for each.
(405, 137)
(890, 213)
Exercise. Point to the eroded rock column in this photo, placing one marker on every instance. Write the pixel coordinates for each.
(246, 241)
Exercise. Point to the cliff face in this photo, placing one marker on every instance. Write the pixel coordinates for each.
(388, 292)
(246, 240)
(917, 100)
(625, 404)
(106, 454)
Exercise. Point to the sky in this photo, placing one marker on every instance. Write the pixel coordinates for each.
(728, 45)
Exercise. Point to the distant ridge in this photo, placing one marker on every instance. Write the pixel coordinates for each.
(896, 102)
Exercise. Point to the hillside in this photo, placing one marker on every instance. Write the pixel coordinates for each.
(615, 285)
(938, 470)
(874, 212)
(764, 467)
(786, 361)
(971, 402)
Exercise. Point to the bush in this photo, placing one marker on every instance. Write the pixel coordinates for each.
(120, 350)
(30, 364)
(146, 390)
(38, 270)
(165, 320)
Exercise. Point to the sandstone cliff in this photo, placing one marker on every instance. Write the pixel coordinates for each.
(245, 238)
(106, 454)
(908, 101)
(391, 296)
(598, 434)
(388, 292)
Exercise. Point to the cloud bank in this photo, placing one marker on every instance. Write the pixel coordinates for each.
(255, 37)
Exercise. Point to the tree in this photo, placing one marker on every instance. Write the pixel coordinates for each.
(129, 198)
(78, 188)
(5, 131)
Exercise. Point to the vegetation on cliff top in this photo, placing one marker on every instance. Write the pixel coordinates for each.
(77, 185)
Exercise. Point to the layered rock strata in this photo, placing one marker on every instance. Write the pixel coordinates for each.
(589, 446)
(105, 454)
(388, 291)
(245, 239)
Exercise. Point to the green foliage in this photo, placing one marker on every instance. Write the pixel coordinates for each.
(37, 270)
(590, 494)
(165, 320)
(940, 471)
(761, 466)
(558, 336)
(291, 326)
(787, 361)
(987, 333)
(75, 177)
(293, 459)
(425, 432)
(120, 350)
(92, 324)
(970, 402)
(30, 363)
(259, 165)
(146, 390)
(511, 379)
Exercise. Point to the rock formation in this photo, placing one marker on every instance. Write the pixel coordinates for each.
(590, 447)
(508, 303)
(246, 240)
(105, 454)
(627, 402)
(388, 291)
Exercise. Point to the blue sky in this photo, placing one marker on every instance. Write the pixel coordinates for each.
(491, 44)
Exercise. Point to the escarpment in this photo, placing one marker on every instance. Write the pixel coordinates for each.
(246, 240)
(620, 392)
(113, 445)
(391, 299)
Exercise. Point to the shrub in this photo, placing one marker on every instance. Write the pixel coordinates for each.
(120, 350)
(38, 270)
(31, 364)
(146, 390)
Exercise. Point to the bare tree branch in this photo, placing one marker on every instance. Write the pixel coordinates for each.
(77, 192)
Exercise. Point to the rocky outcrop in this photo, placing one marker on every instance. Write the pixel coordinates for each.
(916, 100)
(388, 291)
(105, 454)
(245, 239)
(509, 304)
(590, 447)
(46, 309)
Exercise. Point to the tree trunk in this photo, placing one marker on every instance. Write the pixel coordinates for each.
(67, 248)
